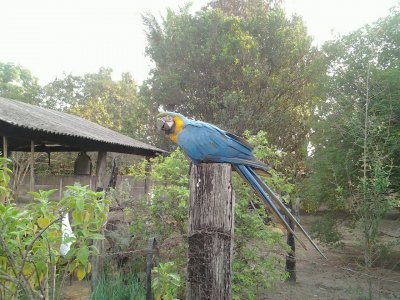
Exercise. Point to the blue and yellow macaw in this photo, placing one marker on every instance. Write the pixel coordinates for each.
(204, 142)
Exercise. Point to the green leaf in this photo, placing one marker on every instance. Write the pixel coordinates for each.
(89, 267)
(81, 272)
(96, 236)
(77, 218)
(83, 254)
(36, 195)
(72, 267)
(28, 269)
(43, 222)
(80, 204)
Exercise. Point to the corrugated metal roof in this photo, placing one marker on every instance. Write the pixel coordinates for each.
(48, 121)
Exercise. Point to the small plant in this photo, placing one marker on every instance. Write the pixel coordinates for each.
(4, 179)
(165, 281)
(30, 238)
(325, 229)
(89, 212)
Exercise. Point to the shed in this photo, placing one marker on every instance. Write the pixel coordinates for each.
(55, 131)
(29, 128)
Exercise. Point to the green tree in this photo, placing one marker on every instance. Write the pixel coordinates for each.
(369, 54)
(241, 65)
(99, 98)
(17, 82)
(114, 104)
(356, 130)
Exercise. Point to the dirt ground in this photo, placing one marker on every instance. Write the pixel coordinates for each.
(342, 275)
(339, 277)
(78, 290)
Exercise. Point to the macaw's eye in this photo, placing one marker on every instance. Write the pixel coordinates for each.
(166, 124)
(168, 119)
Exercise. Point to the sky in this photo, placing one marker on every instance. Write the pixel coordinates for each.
(52, 37)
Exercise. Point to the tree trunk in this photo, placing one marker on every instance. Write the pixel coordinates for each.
(211, 220)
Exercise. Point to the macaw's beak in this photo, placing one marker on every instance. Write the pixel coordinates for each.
(166, 124)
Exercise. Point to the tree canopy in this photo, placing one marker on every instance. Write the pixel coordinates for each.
(243, 66)
(362, 65)
(99, 98)
(17, 82)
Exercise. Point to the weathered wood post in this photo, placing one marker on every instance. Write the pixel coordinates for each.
(147, 179)
(3, 198)
(5, 147)
(291, 255)
(97, 261)
(32, 168)
(211, 220)
(151, 250)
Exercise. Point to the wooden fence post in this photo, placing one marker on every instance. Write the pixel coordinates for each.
(210, 238)
(151, 250)
(291, 255)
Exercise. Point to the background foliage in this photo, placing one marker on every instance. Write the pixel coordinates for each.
(355, 164)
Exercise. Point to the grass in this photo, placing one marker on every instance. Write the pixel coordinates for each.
(118, 287)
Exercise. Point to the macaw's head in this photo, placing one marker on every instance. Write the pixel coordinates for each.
(171, 124)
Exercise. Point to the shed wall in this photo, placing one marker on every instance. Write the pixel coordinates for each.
(55, 181)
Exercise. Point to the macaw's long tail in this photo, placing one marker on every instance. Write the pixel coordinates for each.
(273, 202)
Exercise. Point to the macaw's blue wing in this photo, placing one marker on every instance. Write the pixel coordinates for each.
(204, 142)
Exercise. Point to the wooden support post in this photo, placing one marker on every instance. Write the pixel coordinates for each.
(112, 183)
(32, 167)
(211, 223)
(97, 261)
(147, 180)
(5, 147)
(101, 170)
(60, 192)
(5, 154)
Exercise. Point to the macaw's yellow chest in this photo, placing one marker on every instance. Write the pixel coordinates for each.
(178, 128)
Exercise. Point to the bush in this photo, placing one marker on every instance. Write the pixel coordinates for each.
(325, 229)
(30, 237)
